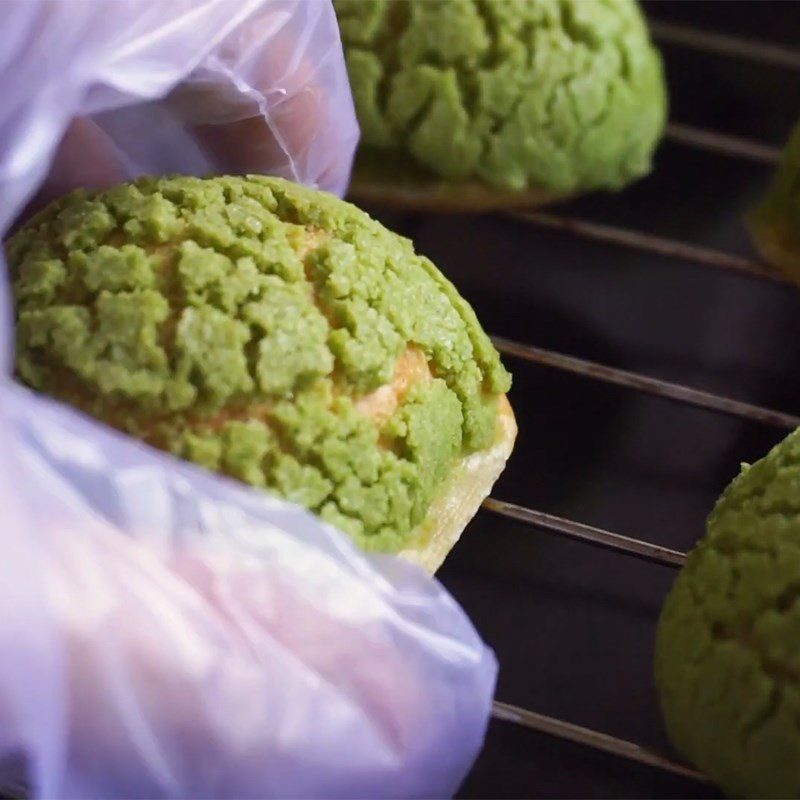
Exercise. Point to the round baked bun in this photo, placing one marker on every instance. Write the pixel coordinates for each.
(474, 104)
(727, 656)
(277, 335)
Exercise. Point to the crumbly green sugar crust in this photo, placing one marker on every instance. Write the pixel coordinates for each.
(563, 94)
(728, 644)
(237, 322)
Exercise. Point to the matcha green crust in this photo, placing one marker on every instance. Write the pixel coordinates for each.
(550, 97)
(727, 659)
(239, 322)
(775, 224)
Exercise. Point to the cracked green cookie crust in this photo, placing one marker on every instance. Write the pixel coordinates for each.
(267, 331)
(775, 224)
(474, 103)
(727, 661)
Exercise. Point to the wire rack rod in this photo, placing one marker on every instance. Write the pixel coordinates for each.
(724, 44)
(710, 141)
(642, 383)
(651, 244)
(591, 738)
(723, 143)
(587, 533)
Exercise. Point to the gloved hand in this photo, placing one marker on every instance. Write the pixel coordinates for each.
(164, 631)
(250, 86)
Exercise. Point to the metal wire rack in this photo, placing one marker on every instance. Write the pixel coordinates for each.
(715, 142)
(721, 144)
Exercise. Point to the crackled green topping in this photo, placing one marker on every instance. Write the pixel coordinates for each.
(728, 647)
(562, 94)
(239, 322)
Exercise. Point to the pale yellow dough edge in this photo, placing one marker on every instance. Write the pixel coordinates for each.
(464, 197)
(470, 484)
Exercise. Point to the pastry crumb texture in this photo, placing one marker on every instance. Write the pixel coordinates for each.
(261, 329)
(728, 643)
(775, 224)
(563, 94)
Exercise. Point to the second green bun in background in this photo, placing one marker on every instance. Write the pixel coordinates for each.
(277, 335)
(486, 103)
(775, 224)
(728, 644)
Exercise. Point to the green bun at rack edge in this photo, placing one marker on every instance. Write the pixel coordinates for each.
(727, 661)
(277, 335)
(775, 224)
(470, 104)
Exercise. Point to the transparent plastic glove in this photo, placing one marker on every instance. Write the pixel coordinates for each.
(211, 642)
(166, 633)
(118, 88)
